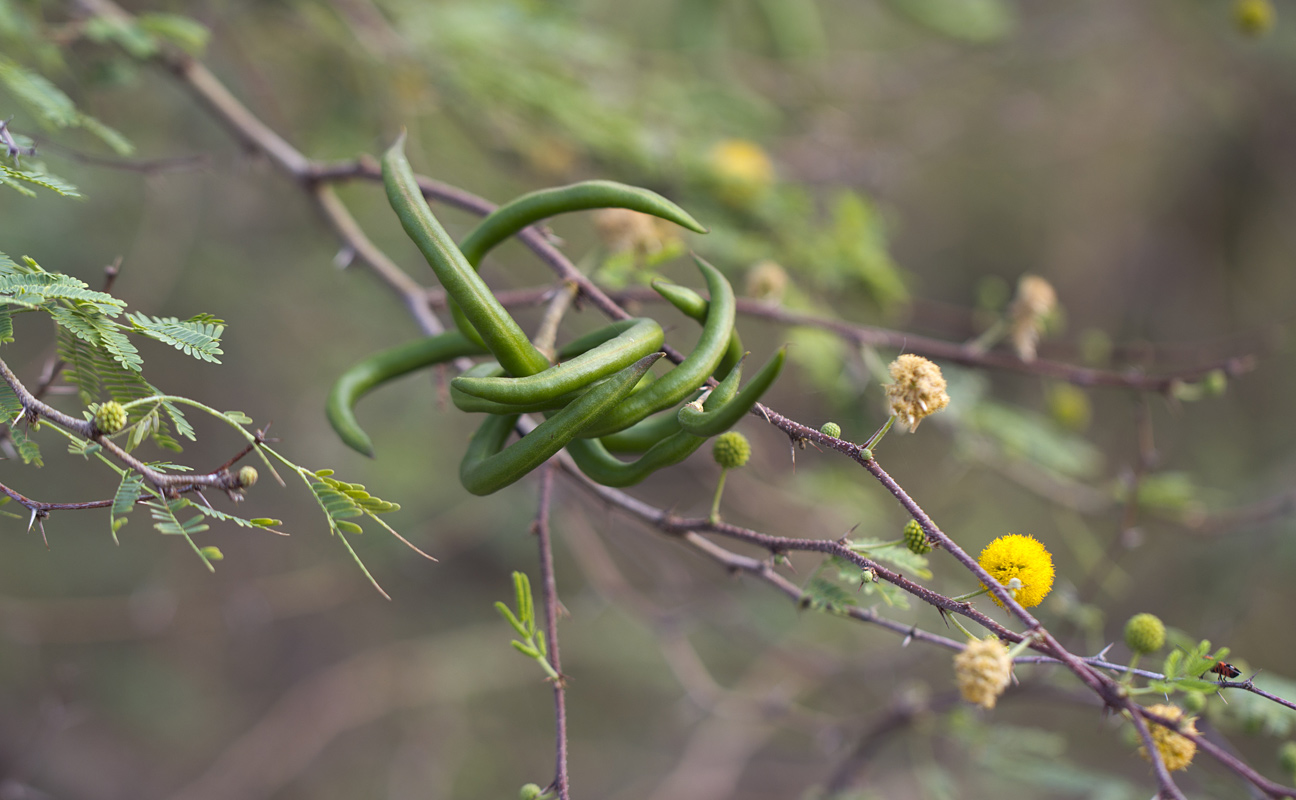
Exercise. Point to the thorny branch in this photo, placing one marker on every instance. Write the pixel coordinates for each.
(314, 177)
(549, 593)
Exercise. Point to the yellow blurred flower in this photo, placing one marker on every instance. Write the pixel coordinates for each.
(766, 280)
(1021, 563)
(624, 230)
(1035, 300)
(741, 169)
(1253, 17)
(1176, 751)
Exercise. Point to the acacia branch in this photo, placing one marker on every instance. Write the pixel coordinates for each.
(549, 594)
(166, 485)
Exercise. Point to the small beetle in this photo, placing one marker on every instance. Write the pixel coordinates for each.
(1224, 670)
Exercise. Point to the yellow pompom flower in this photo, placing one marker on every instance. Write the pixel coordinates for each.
(1176, 751)
(918, 389)
(1021, 563)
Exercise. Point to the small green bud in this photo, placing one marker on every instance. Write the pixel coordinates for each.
(731, 450)
(1215, 383)
(916, 538)
(1287, 758)
(831, 429)
(1194, 702)
(212, 553)
(247, 476)
(530, 791)
(1144, 633)
(110, 417)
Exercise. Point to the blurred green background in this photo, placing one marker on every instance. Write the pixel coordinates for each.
(923, 155)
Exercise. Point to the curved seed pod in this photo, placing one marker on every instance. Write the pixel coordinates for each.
(642, 435)
(488, 466)
(515, 215)
(500, 333)
(693, 305)
(698, 422)
(602, 467)
(577, 373)
(380, 368)
(689, 374)
(529, 209)
(475, 405)
(595, 338)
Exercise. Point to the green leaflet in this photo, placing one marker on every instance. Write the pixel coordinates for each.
(198, 337)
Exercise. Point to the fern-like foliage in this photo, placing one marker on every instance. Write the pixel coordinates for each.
(100, 359)
(52, 107)
(128, 493)
(344, 501)
(198, 336)
(17, 178)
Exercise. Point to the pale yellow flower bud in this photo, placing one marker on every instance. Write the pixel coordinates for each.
(1034, 301)
(983, 671)
(918, 389)
(1176, 751)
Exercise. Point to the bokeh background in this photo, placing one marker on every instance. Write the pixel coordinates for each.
(905, 162)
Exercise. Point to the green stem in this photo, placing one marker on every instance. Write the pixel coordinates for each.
(877, 437)
(715, 503)
(959, 625)
(965, 597)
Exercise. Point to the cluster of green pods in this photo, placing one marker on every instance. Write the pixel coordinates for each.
(599, 399)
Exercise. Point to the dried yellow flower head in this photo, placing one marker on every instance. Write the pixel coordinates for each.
(766, 280)
(1023, 564)
(983, 671)
(1034, 301)
(622, 229)
(1176, 751)
(918, 389)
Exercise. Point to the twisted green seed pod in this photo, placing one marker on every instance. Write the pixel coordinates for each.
(593, 458)
(693, 305)
(689, 374)
(488, 466)
(634, 343)
(500, 332)
(380, 368)
(642, 435)
(519, 213)
(699, 422)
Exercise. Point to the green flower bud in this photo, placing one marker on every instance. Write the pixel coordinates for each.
(731, 450)
(916, 538)
(831, 429)
(247, 476)
(1144, 633)
(110, 417)
(530, 791)
(1287, 758)
(1194, 702)
(1215, 382)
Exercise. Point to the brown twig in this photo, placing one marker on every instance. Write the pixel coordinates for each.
(549, 594)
